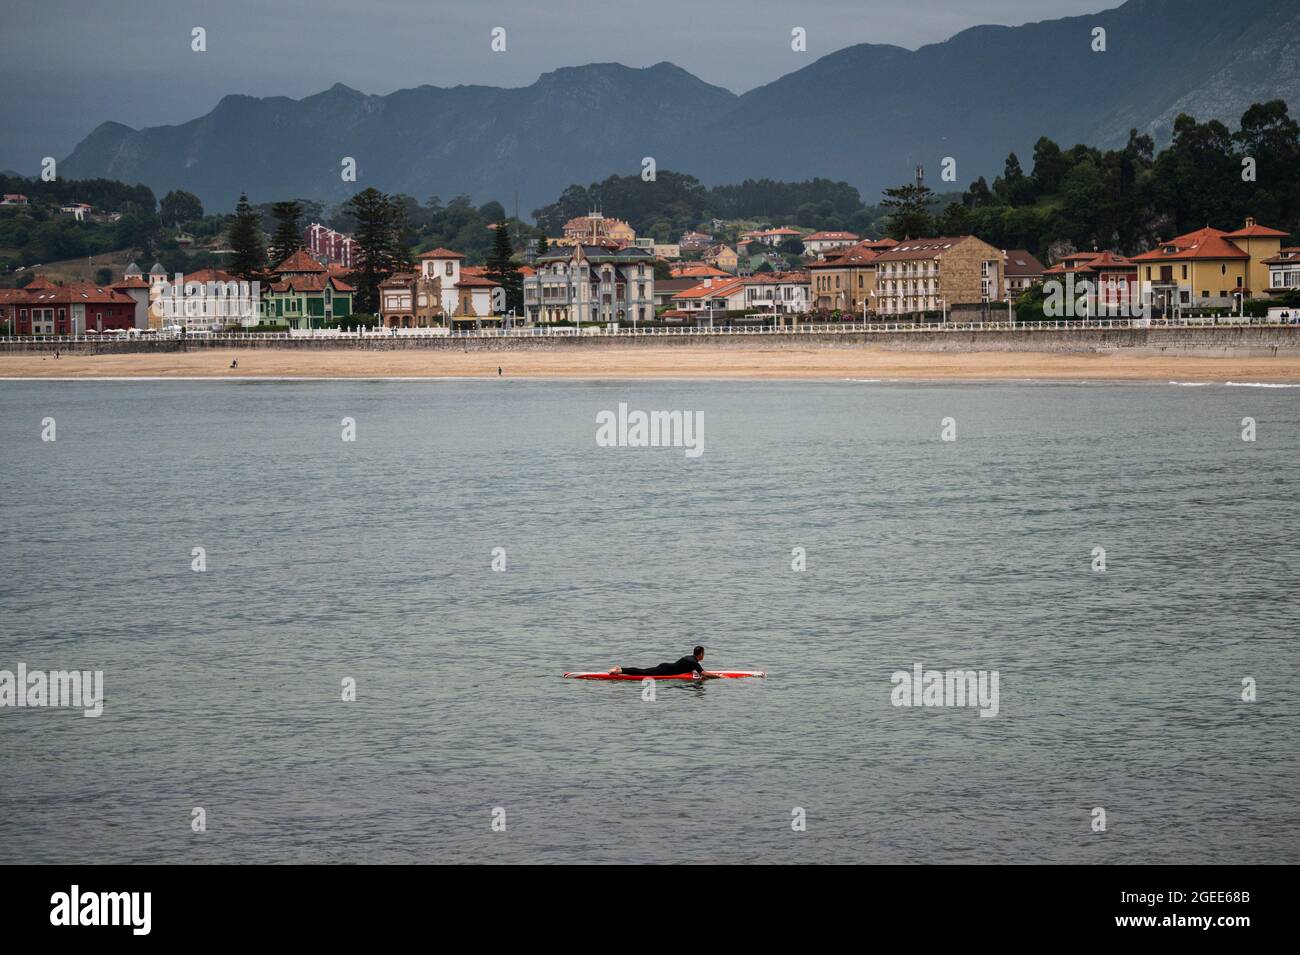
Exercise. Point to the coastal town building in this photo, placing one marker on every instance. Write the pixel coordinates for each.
(1260, 243)
(304, 294)
(956, 275)
(1283, 271)
(1112, 280)
(721, 257)
(1021, 271)
(708, 301)
(595, 229)
(665, 289)
(13, 199)
(329, 245)
(78, 210)
(695, 241)
(697, 271)
(1210, 267)
(591, 283)
(820, 243)
(778, 293)
(845, 280)
(771, 237)
(205, 300)
(44, 308)
(134, 285)
(440, 293)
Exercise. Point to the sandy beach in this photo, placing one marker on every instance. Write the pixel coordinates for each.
(721, 363)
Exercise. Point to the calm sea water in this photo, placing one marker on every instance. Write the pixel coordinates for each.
(372, 560)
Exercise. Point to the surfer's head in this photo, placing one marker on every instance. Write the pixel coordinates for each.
(699, 653)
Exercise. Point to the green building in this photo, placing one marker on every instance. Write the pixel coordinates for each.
(303, 294)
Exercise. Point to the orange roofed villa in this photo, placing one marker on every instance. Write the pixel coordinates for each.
(441, 294)
(1211, 268)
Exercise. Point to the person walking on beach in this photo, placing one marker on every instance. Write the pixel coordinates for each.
(498, 371)
(689, 664)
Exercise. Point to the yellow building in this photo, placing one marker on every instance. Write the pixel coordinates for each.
(845, 280)
(1210, 267)
(722, 257)
(1260, 243)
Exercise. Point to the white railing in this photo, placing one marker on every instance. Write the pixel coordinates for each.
(566, 331)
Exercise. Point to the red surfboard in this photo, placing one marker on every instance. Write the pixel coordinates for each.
(728, 674)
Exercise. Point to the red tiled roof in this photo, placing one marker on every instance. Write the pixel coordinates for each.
(300, 261)
(831, 236)
(717, 289)
(134, 281)
(210, 275)
(1207, 243)
(859, 254)
(79, 293)
(311, 283)
(440, 253)
(1253, 230)
(696, 270)
(778, 278)
(1090, 262)
(1018, 263)
(1289, 254)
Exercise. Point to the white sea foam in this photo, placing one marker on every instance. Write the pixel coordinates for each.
(1190, 384)
(1256, 384)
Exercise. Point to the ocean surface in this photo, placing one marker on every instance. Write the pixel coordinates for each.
(372, 561)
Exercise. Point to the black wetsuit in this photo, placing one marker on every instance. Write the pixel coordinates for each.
(684, 665)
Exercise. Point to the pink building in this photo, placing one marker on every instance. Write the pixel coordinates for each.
(324, 243)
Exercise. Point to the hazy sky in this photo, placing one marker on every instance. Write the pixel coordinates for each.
(68, 65)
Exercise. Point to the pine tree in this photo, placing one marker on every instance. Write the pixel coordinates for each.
(910, 211)
(378, 221)
(288, 230)
(502, 269)
(543, 246)
(249, 258)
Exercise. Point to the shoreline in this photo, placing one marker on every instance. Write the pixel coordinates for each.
(748, 363)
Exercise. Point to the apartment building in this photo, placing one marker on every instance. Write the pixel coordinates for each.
(845, 280)
(591, 283)
(946, 274)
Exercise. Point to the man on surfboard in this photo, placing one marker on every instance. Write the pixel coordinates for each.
(689, 664)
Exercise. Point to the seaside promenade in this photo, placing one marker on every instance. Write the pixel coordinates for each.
(1114, 351)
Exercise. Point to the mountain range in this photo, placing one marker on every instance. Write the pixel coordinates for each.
(867, 114)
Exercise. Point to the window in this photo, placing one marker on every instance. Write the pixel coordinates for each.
(449, 268)
(1184, 271)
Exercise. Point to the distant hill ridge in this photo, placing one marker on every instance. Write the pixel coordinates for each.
(866, 114)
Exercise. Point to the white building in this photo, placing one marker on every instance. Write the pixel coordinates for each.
(821, 242)
(781, 293)
(592, 283)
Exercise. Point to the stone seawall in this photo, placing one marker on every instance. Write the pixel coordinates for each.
(1243, 340)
